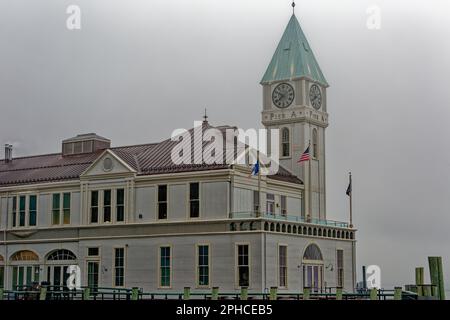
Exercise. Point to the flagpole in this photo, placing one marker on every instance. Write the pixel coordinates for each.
(350, 197)
(259, 184)
(309, 180)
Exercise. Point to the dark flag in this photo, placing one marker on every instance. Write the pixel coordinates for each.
(349, 188)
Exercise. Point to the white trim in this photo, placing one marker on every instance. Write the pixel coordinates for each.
(170, 266)
(113, 155)
(114, 266)
(236, 264)
(286, 266)
(197, 274)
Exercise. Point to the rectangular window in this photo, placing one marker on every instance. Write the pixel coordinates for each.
(93, 268)
(270, 204)
(120, 205)
(256, 201)
(107, 206)
(243, 265)
(194, 200)
(162, 202)
(56, 208)
(94, 207)
(66, 208)
(14, 211)
(32, 203)
(93, 252)
(283, 206)
(119, 267)
(282, 262)
(340, 267)
(203, 265)
(165, 267)
(22, 200)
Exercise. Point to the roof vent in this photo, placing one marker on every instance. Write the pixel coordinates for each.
(8, 153)
(84, 143)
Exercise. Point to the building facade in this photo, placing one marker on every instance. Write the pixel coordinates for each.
(129, 217)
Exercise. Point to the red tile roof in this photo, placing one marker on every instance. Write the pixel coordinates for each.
(146, 159)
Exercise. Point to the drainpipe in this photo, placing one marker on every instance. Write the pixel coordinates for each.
(6, 278)
(230, 211)
(265, 260)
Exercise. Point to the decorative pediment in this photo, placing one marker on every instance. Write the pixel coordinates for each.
(107, 164)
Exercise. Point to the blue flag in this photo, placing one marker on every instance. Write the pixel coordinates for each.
(255, 169)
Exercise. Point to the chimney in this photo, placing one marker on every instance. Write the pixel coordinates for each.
(8, 153)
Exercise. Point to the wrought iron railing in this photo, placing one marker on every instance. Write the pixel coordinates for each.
(103, 293)
(289, 218)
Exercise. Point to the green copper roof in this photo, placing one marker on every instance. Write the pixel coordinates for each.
(293, 58)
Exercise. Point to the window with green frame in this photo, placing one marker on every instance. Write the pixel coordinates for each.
(14, 211)
(106, 205)
(22, 201)
(165, 267)
(119, 267)
(32, 202)
(66, 208)
(24, 275)
(56, 204)
(203, 265)
(120, 205)
(94, 206)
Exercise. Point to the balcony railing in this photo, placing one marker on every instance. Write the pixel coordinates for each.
(290, 218)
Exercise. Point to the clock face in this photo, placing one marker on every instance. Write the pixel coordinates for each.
(315, 96)
(283, 95)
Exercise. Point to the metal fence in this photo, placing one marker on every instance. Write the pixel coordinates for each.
(103, 293)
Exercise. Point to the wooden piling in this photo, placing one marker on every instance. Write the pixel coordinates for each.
(135, 293)
(187, 293)
(437, 276)
(398, 293)
(43, 293)
(420, 280)
(339, 293)
(87, 294)
(373, 294)
(273, 293)
(244, 293)
(426, 290)
(215, 293)
(306, 293)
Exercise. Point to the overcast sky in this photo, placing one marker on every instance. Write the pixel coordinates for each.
(139, 69)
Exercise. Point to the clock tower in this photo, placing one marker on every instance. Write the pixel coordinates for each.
(295, 102)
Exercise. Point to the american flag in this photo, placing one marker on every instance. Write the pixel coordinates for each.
(305, 156)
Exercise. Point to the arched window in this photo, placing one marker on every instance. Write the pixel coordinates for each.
(285, 143)
(312, 252)
(62, 254)
(314, 144)
(24, 255)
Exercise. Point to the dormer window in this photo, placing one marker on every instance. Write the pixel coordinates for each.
(84, 143)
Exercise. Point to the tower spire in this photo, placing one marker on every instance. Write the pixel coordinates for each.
(293, 7)
(205, 117)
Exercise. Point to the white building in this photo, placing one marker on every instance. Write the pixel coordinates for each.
(129, 217)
